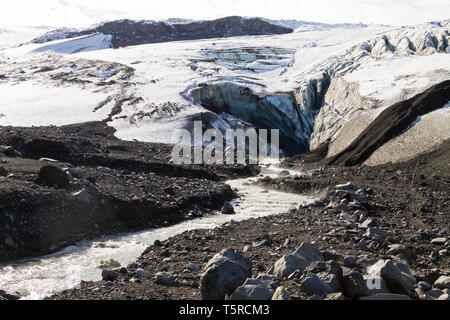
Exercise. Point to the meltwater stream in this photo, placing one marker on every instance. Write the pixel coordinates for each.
(40, 277)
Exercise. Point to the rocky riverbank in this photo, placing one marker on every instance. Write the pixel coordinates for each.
(377, 233)
(61, 185)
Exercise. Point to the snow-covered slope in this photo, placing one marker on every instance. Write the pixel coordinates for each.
(307, 83)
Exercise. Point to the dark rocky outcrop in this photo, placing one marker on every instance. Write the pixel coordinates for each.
(128, 32)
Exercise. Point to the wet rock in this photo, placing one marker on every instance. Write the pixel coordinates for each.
(354, 285)
(442, 282)
(224, 273)
(284, 173)
(253, 289)
(164, 279)
(228, 208)
(314, 285)
(386, 296)
(281, 293)
(109, 275)
(8, 296)
(53, 176)
(298, 260)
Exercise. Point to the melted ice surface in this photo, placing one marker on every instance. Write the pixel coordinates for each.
(40, 277)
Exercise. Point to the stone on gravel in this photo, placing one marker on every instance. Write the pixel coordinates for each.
(347, 186)
(192, 267)
(337, 296)
(370, 223)
(281, 293)
(253, 289)
(376, 234)
(425, 286)
(354, 285)
(271, 280)
(443, 282)
(51, 176)
(224, 273)
(386, 296)
(228, 208)
(109, 275)
(438, 241)
(140, 273)
(298, 260)
(164, 279)
(314, 285)
(396, 280)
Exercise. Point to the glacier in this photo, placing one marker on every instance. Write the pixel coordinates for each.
(319, 85)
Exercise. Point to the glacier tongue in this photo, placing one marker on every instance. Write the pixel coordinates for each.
(324, 85)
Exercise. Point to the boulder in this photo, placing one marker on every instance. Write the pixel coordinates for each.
(109, 275)
(354, 285)
(53, 176)
(298, 260)
(224, 273)
(253, 289)
(397, 281)
(314, 285)
(228, 208)
(141, 273)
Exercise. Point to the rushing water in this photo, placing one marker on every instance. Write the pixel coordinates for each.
(40, 277)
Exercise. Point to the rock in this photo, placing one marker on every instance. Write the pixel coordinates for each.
(376, 234)
(140, 273)
(316, 297)
(395, 249)
(10, 151)
(354, 285)
(361, 216)
(224, 273)
(425, 286)
(281, 294)
(362, 245)
(284, 173)
(253, 289)
(109, 275)
(438, 241)
(9, 241)
(270, 280)
(443, 282)
(164, 279)
(109, 264)
(346, 216)
(386, 296)
(347, 186)
(8, 296)
(350, 261)
(104, 169)
(314, 285)
(434, 293)
(51, 176)
(3, 172)
(298, 260)
(192, 267)
(337, 296)
(83, 195)
(370, 223)
(444, 297)
(396, 280)
(228, 208)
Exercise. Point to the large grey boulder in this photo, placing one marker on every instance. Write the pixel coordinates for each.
(253, 289)
(329, 272)
(314, 285)
(397, 281)
(306, 254)
(224, 273)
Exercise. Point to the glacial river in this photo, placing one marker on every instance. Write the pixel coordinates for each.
(39, 277)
